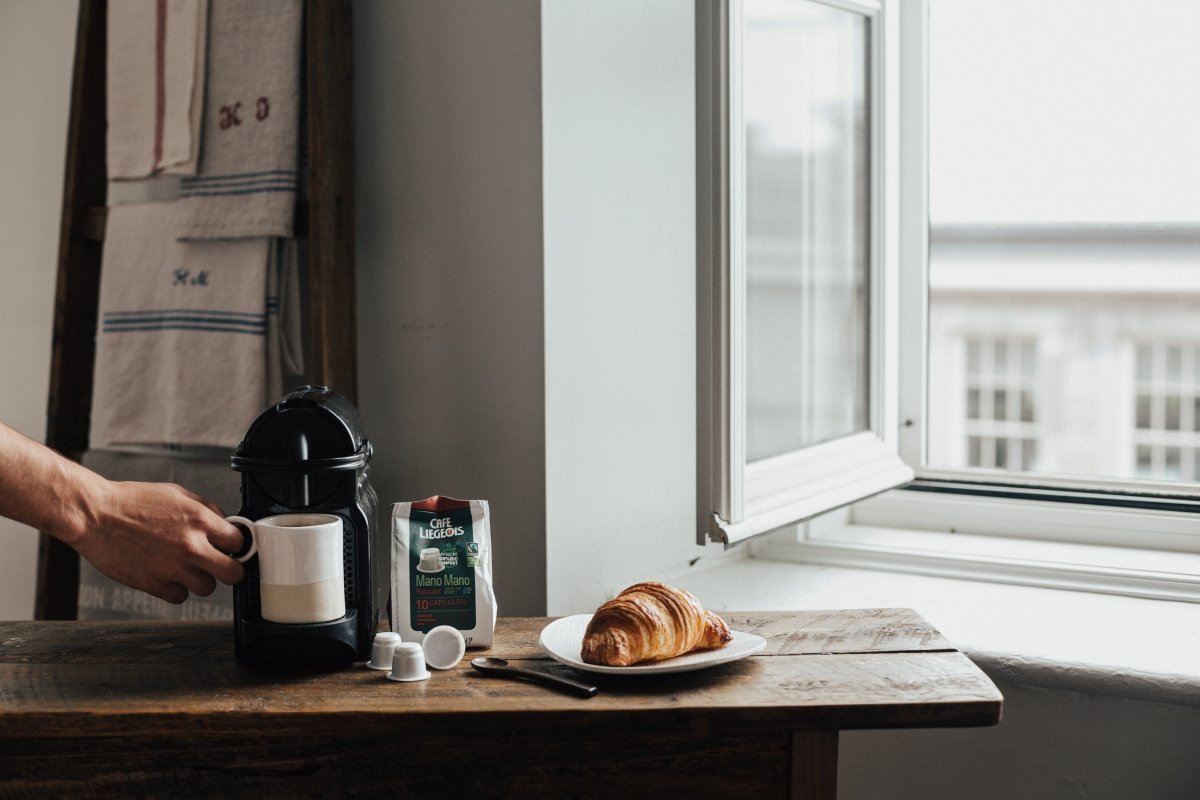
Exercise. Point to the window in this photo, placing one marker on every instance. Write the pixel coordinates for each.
(1001, 432)
(1167, 412)
(986, 183)
(797, 262)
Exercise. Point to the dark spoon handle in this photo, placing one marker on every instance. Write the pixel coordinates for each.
(577, 688)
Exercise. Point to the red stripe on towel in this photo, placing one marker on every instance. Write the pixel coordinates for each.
(160, 79)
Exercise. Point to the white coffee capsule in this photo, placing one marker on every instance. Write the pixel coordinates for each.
(444, 647)
(408, 663)
(381, 650)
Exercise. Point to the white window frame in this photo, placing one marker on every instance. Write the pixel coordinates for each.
(1102, 536)
(735, 500)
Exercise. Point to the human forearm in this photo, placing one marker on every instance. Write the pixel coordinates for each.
(45, 490)
(157, 537)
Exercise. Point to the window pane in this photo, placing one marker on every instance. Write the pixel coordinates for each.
(974, 357)
(1145, 363)
(1028, 359)
(999, 404)
(806, 149)
(1145, 461)
(975, 451)
(1026, 406)
(1000, 358)
(1143, 411)
(1171, 411)
(1171, 463)
(1174, 364)
(1028, 454)
(1064, 240)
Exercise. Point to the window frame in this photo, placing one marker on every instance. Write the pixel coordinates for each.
(736, 500)
(1072, 534)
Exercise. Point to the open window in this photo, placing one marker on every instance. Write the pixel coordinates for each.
(1029, 288)
(798, 260)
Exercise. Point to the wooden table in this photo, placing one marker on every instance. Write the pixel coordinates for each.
(142, 709)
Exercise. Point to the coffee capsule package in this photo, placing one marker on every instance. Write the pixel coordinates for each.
(442, 569)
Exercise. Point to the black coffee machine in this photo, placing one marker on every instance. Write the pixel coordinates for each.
(309, 453)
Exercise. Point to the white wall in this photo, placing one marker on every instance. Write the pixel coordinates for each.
(37, 45)
(619, 174)
(482, 132)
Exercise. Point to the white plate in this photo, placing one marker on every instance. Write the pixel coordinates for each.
(563, 639)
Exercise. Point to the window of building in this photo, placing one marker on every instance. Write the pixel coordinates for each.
(1001, 427)
(1167, 412)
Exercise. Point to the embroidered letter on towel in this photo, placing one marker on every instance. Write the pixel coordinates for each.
(246, 184)
(181, 354)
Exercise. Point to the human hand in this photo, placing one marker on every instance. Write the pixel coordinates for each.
(159, 538)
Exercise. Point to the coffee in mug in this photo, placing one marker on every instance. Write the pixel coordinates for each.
(300, 566)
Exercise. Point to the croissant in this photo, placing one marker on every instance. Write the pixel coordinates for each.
(651, 621)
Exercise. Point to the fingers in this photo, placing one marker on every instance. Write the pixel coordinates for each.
(171, 592)
(198, 582)
(219, 565)
(226, 537)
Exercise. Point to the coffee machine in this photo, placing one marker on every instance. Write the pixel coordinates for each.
(309, 453)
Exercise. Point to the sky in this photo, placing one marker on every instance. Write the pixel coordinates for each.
(1045, 111)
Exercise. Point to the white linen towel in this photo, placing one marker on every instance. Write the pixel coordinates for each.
(155, 80)
(246, 184)
(181, 342)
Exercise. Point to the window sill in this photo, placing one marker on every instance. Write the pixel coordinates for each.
(1128, 647)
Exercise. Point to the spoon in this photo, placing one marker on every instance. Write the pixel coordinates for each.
(498, 666)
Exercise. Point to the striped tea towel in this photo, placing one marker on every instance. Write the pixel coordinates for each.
(155, 78)
(181, 354)
(246, 185)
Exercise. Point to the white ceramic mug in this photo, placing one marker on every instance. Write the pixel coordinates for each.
(300, 568)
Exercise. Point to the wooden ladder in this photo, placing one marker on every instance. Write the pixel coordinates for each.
(325, 218)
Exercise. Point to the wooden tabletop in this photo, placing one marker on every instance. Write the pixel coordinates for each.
(151, 709)
(865, 668)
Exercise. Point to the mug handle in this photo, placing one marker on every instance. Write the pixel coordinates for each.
(247, 528)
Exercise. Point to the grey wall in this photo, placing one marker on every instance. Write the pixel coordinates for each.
(37, 46)
(1051, 744)
(449, 204)
(556, 381)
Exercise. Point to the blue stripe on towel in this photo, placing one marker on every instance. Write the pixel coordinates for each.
(212, 187)
(184, 319)
(112, 325)
(238, 176)
(250, 315)
(226, 193)
(182, 327)
(268, 180)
